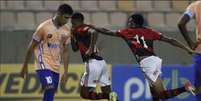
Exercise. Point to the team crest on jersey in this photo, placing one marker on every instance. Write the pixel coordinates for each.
(49, 36)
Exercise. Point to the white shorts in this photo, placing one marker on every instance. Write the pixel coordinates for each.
(151, 67)
(96, 72)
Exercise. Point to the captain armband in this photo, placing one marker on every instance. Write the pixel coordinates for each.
(189, 13)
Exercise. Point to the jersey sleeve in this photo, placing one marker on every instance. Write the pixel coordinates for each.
(121, 32)
(86, 29)
(190, 10)
(38, 34)
(156, 35)
(83, 29)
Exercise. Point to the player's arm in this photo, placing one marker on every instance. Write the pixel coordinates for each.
(65, 55)
(28, 55)
(93, 40)
(106, 31)
(185, 18)
(176, 43)
(94, 37)
(36, 39)
(74, 44)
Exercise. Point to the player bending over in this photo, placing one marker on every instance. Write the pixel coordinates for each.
(84, 39)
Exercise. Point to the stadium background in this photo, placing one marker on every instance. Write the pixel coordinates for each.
(18, 20)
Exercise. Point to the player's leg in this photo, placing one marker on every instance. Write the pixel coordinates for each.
(151, 67)
(46, 78)
(91, 94)
(89, 81)
(106, 90)
(154, 94)
(108, 93)
(105, 83)
(166, 94)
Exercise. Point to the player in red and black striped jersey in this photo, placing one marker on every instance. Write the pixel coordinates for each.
(83, 36)
(84, 39)
(140, 40)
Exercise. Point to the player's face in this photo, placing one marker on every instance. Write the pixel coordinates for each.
(64, 18)
(75, 23)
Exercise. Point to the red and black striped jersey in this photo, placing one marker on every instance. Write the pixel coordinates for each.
(83, 37)
(140, 40)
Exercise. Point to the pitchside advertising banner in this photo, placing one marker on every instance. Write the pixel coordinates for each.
(128, 81)
(14, 88)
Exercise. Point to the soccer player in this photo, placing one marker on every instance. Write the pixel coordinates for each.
(50, 40)
(193, 11)
(140, 40)
(96, 72)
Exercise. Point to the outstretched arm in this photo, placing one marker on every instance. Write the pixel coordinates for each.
(176, 43)
(106, 31)
(182, 27)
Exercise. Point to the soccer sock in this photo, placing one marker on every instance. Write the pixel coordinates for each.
(49, 95)
(87, 94)
(172, 93)
(96, 96)
(155, 96)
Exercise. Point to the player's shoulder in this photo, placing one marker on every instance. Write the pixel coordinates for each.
(67, 27)
(153, 32)
(151, 29)
(83, 28)
(198, 3)
(44, 24)
(194, 4)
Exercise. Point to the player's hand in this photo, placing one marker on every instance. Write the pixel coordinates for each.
(191, 51)
(24, 71)
(89, 52)
(64, 78)
(195, 45)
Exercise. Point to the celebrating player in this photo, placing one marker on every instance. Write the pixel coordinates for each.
(140, 40)
(49, 40)
(84, 39)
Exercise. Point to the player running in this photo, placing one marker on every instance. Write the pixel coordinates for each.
(140, 40)
(193, 11)
(50, 39)
(84, 39)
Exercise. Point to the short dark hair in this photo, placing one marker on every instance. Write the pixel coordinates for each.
(78, 15)
(137, 18)
(65, 9)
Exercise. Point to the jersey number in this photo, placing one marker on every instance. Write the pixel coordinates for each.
(49, 79)
(141, 41)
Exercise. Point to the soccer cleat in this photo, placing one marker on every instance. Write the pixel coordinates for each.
(189, 87)
(113, 96)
